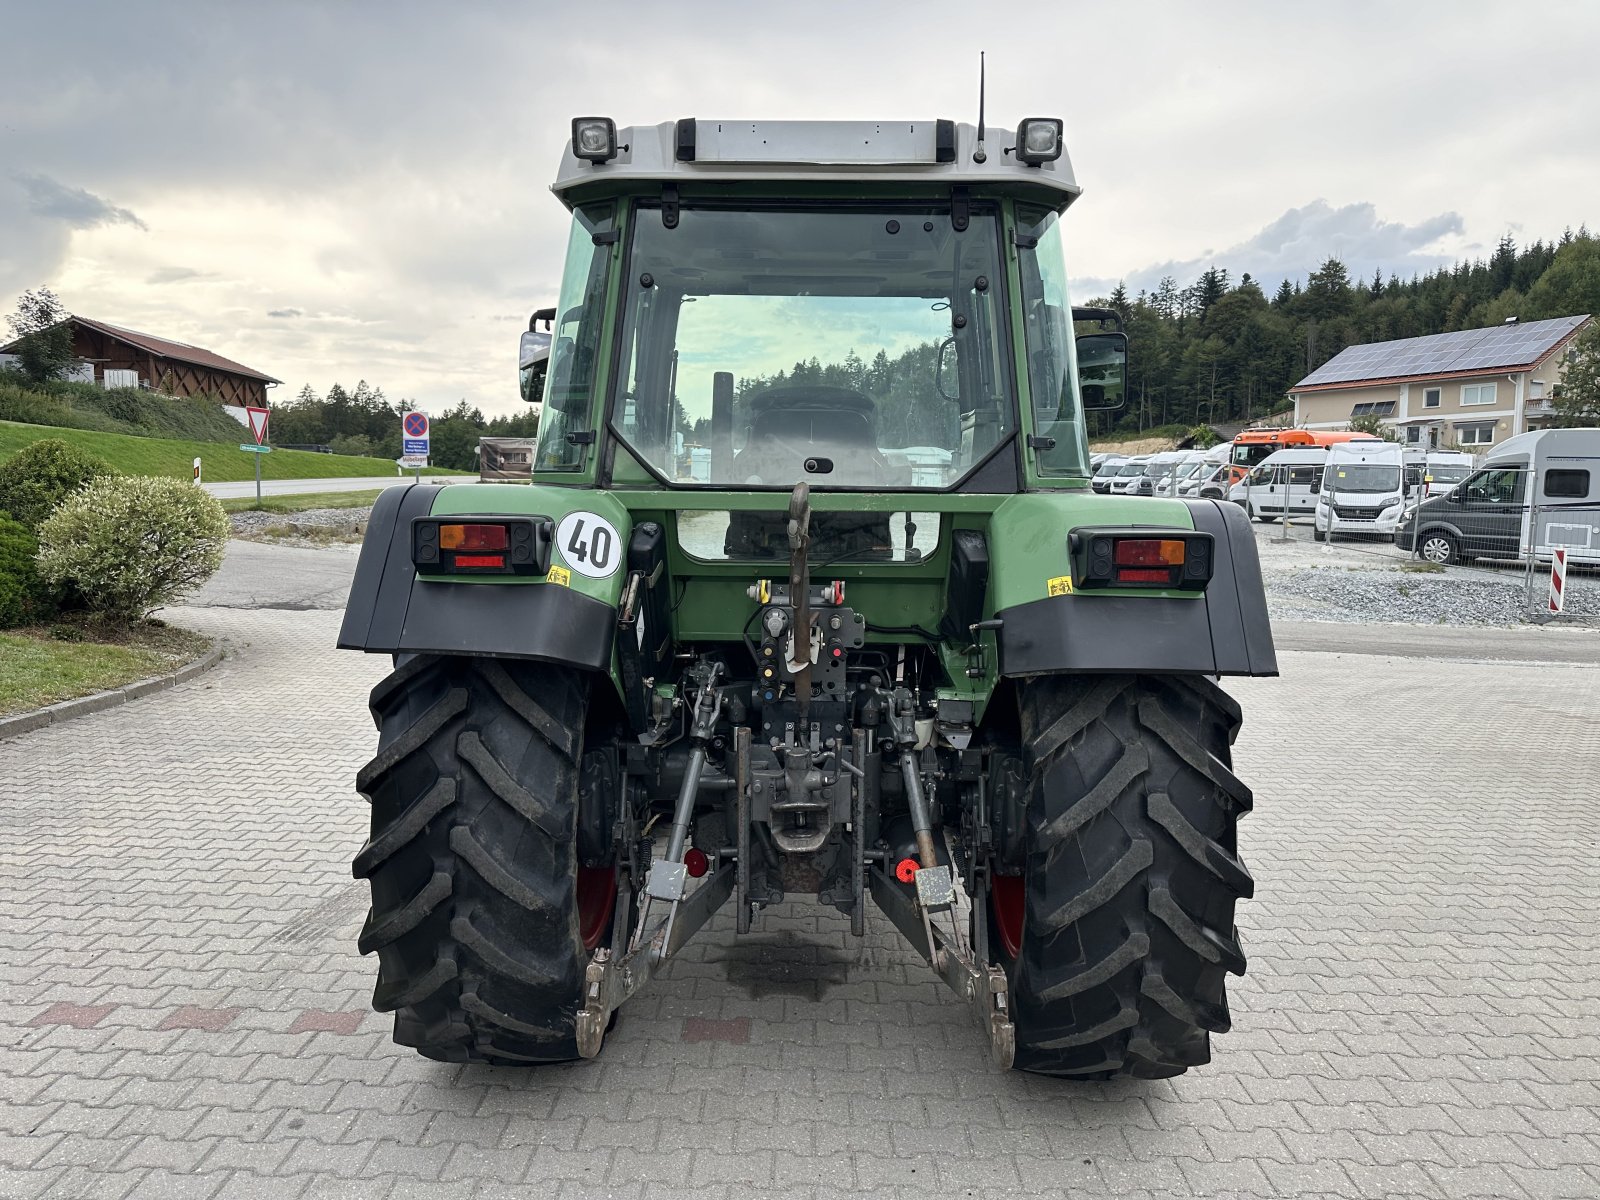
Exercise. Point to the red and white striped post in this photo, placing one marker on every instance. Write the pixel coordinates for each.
(1558, 581)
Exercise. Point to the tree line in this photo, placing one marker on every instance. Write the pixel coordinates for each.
(364, 421)
(1220, 350)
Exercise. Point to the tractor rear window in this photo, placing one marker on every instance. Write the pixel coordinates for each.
(836, 537)
(847, 348)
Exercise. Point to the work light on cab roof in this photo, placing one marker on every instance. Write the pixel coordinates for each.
(809, 593)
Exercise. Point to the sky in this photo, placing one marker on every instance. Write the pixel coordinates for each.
(341, 191)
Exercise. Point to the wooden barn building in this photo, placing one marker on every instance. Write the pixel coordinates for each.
(134, 359)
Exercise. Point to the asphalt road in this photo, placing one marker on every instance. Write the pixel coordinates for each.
(294, 487)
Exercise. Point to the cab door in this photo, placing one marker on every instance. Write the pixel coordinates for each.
(1491, 506)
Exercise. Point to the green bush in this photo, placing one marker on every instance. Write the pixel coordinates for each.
(23, 597)
(133, 543)
(38, 477)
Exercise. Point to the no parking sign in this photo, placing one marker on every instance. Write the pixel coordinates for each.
(414, 435)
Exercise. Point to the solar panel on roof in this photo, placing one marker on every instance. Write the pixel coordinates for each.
(1441, 353)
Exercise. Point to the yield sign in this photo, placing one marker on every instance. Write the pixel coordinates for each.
(258, 423)
(416, 425)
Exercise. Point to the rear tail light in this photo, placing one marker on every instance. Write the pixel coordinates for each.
(473, 537)
(481, 545)
(1141, 558)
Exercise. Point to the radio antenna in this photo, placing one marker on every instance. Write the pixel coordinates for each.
(978, 156)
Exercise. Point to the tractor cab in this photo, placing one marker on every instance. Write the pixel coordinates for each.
(810, 594)
(855, 306)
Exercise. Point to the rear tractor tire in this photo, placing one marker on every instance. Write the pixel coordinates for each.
(482, 917)
(1118, 936)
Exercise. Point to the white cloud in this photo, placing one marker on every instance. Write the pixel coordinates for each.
(1301, 240)
(386, 171)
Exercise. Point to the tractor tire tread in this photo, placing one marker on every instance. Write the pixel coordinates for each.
(472, 858)
(1132, 875)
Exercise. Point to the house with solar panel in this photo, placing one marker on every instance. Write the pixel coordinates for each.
(1472, 388)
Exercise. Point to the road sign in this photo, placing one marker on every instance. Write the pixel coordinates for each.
(412, 462)
(258, 422)
(414, 435)
(249, 449)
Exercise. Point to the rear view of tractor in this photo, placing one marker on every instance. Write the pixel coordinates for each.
(810, 597)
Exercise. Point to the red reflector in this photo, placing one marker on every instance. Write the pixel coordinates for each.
(906, 870)
(695, 862)
(472, 537)
(1143, 575)
(480, 560)
(1149, 552)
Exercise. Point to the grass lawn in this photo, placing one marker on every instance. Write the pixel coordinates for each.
(304, 502)
(220, 463)
(37, 669)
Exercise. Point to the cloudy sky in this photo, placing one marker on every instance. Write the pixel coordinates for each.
(344, 190)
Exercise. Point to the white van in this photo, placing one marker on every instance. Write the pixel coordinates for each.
(1211, 482)
(1363, 490)
(1435, 472)
(1105, 471)
(1285, 482)
(1171, 484)
(1126, 481)
(1158, 469)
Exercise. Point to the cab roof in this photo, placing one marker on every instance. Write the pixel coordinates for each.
(693, 151)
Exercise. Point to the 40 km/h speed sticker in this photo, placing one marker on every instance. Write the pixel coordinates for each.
(590, 544)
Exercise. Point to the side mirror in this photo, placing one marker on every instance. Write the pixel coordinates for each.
(1103, 370)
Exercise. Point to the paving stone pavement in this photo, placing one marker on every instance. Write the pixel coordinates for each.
(183, 1013)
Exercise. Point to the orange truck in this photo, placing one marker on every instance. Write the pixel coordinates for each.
(1253, 445)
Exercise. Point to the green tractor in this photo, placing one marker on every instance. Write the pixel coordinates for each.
(810, 596)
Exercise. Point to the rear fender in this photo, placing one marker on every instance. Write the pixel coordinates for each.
(1047, 628)
(568, 616)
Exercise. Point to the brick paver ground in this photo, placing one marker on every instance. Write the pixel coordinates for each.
(183, 1014)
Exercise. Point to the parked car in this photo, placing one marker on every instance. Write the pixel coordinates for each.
(1211, 482)
(1283, 483)
(1362, 491)
(1157, 469)
(1437, 471)
(1489, 514)
(1105, 471)
(1128, 476)
(1171, 484)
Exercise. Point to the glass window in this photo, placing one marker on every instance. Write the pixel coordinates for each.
(1475, 435)
(1477, 393)
(1302, 476)
(1430, 397)
(1052, 352)
(1365, 477)
(1495, 487)
(1566, 484)
(846, 348)
(575, 349)
(1536, 389)
(835, 536)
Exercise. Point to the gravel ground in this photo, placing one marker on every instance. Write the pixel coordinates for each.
(1360, 581)
(1355, 594)
(314, 527)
